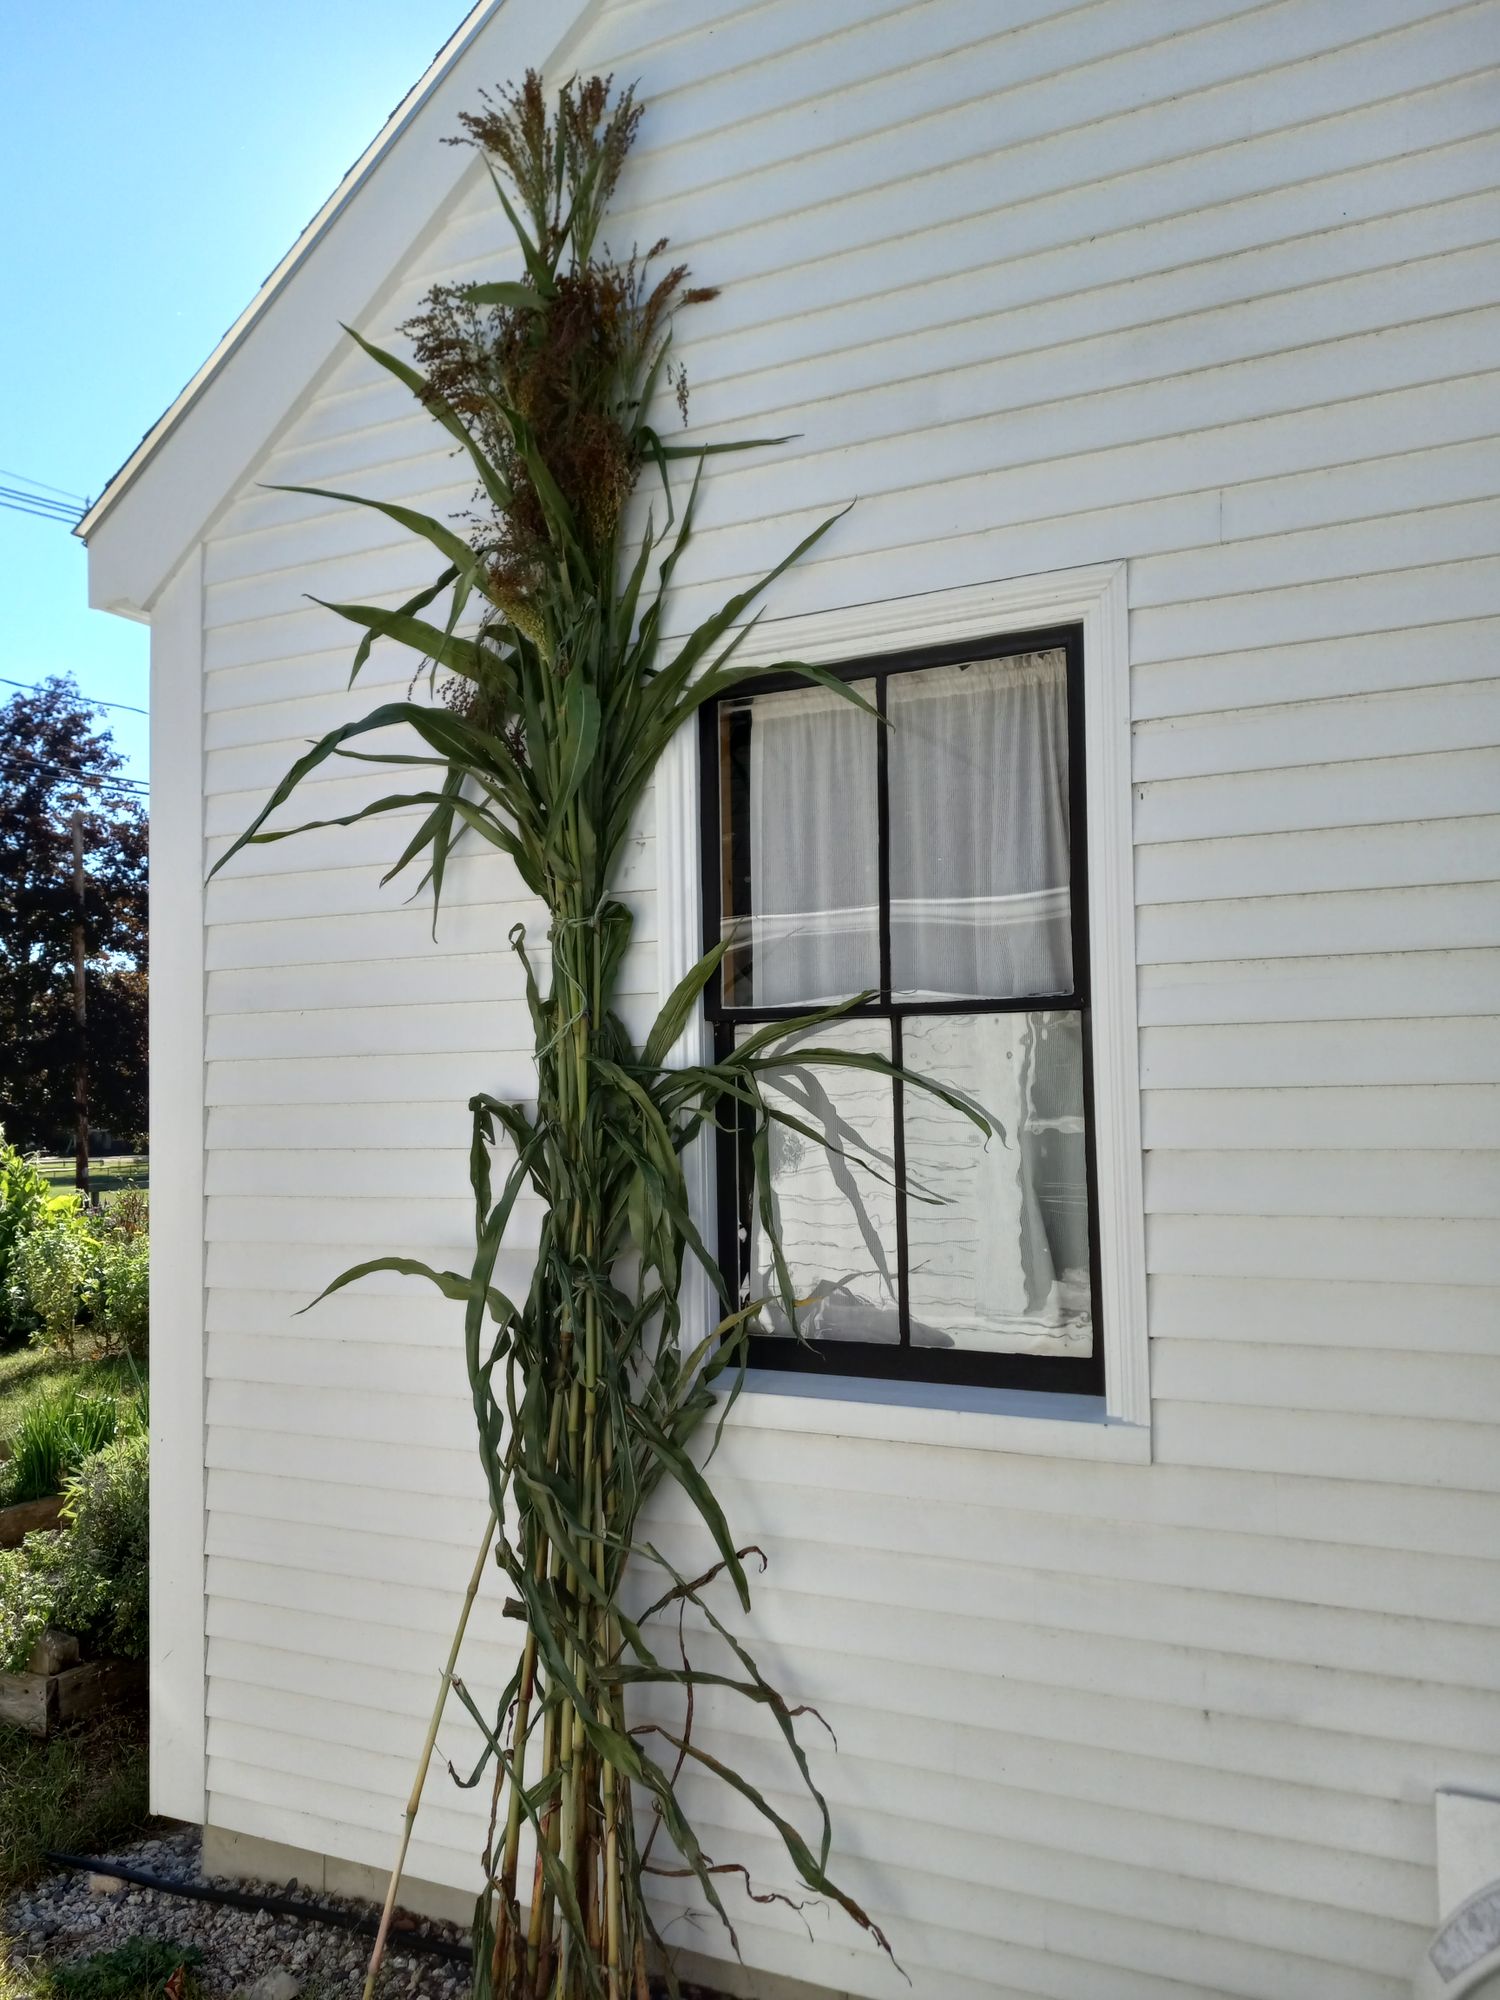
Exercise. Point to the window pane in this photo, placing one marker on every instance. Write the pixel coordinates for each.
(979, 829)
(800, 870)
(836, 1218)
(1002, 1265)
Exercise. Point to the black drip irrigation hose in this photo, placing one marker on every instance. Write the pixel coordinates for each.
(276, 1906)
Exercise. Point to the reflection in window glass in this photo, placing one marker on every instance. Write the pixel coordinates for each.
(998, 1231)
(800, 863)
(837, 1218)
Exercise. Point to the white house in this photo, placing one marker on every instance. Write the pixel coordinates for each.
(1159, 344)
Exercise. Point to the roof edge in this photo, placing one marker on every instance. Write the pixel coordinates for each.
(451, 52)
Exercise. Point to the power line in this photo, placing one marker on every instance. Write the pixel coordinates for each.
(17, 504)
(135, 788)
(64, 492)
(46, 503)
(30, 687)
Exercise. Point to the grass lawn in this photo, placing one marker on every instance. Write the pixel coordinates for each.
(107, 1176)
(29, 1369)
(81, 1792)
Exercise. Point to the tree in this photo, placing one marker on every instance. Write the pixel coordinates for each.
(55, 763)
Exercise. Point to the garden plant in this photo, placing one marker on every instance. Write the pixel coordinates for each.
(558, 696)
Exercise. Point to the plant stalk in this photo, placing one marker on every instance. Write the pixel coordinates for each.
(425, 1760)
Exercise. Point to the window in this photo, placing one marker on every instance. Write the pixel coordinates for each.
(939, 865)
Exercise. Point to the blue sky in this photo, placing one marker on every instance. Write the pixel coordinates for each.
(159, 159)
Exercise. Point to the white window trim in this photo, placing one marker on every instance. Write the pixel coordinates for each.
(903, 1412)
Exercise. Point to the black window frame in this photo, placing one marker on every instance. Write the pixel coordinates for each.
(1074, 1375)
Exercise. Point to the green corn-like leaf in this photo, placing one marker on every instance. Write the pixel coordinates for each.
(681, 1006)
(458, 656)
(465, 561)
(590, 1393)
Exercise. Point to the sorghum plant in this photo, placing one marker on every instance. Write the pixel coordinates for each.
(557, 705)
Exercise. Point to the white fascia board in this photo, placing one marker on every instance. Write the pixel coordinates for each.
(199, 452)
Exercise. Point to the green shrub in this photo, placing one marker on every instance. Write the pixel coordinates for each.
(120, 1302)
(26, 1203)
(92, 1578)
(77, 1276)
(108, 1548)
(30, 1593)
(53, 1270)
(59, 1429)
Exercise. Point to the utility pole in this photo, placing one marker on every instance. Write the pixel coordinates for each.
(81, 1018)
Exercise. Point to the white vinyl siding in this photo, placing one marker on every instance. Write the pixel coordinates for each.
(1214, 290)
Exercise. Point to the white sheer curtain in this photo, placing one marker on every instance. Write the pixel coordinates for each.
(979, 830)
(978, 763)
(980, 910)
(814, 861)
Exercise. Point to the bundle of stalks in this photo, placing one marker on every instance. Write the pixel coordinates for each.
(588, 1391)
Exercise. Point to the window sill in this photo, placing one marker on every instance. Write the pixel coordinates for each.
(927, 1413)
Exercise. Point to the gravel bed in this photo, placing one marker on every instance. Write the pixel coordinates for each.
(247, 1955)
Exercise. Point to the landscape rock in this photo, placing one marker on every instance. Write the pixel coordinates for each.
(246, 1955)
(276, 1985)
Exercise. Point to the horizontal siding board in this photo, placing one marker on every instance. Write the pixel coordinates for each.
(393, 1029)
(1391, 1450)
(1392, 985)
(1459, 716)
(1195, 1678)
(303, 1361)
(1457, 532)
(1296, 1246)
(1459, 1389)
(302, 1270)
(386, 932)
(313, 1799)
(475, 876)
(1411, 852)
(1262, 1056)
(285, 1129)
(1369, 792)
(381, 982)
(422, 1079)
(1314, 669)
(360, 1462)
(1442, 917)
(406, 1313)
(1413, 1319)
(313, 1418)
(1405, 1183)
(1217, 1500)
(1299, 1117)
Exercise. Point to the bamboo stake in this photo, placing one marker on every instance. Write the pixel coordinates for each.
(425, 1760)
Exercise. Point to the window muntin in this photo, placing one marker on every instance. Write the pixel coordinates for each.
(939, 861)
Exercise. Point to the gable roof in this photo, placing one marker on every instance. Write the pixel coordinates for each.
(198, 450)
